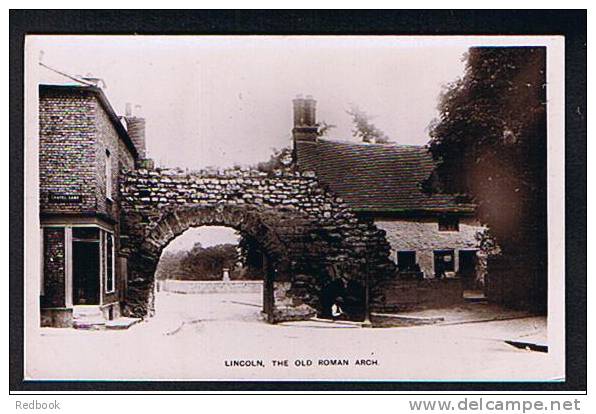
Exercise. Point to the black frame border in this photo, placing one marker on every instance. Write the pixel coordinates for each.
(570, 23)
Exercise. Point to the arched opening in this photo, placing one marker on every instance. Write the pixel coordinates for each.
(311, 238)
(282, 239)
(211, 273)
(208, 253)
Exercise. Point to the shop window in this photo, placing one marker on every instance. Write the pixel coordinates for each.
(86, 265)
(85, 234)
(109, 266)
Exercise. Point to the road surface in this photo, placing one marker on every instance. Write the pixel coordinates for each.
(221, 336)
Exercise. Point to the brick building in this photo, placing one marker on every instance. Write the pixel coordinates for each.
(83, 147)
(430, 234)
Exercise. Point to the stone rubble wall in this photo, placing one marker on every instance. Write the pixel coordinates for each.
(405, 295)
(311, 235)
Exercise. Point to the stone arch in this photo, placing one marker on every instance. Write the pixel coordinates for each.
(311, 236)
(289, 239)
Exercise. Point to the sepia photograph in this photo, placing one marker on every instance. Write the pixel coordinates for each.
(294, 208)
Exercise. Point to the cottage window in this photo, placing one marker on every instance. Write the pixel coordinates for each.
(108, 175)
(448, 223)
(406, 261)
(109, 266)
(444, 262)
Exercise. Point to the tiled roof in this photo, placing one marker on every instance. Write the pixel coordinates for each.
(376, 178)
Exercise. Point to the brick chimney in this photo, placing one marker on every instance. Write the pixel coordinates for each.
(136, 129)
(305, 119)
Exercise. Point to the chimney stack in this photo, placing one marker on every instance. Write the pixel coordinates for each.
(305, 120)
(136, 129)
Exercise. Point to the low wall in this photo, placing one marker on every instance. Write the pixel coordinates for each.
(56, 317)
(209, 286)
(516, 283)
(401, 295)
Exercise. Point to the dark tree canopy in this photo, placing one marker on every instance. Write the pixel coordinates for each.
(490, 143)
(199, 263)
(209, 262)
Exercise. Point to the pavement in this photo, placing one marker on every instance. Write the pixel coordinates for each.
(222, 336)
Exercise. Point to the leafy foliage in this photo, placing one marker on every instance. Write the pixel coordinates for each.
(324, 128)
(490, 143)
(364, 129)
(281, 158)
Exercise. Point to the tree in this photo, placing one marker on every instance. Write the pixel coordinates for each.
(281, 158)
(364, 129)
(199, 263)
(207, 263)
(490, 144)
(324, 128)
(169, 266)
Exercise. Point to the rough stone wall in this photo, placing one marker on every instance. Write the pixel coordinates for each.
(53, 268)
(401, 295)
(423, 236)
(310, 235)
(67, 150)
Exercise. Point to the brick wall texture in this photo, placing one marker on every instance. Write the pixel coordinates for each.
(75, 132)
(67, 150)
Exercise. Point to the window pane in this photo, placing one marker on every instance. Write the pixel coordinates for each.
(444, 262)
(448, 224)
(406, 261)
(109, 263)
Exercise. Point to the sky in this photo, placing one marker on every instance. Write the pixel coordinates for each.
(206, 235)
(220, 101)
(224, 100)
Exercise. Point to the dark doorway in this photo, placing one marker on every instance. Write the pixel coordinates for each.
(467, 268)
(85, 272)
(443, 262)
(268, 288)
